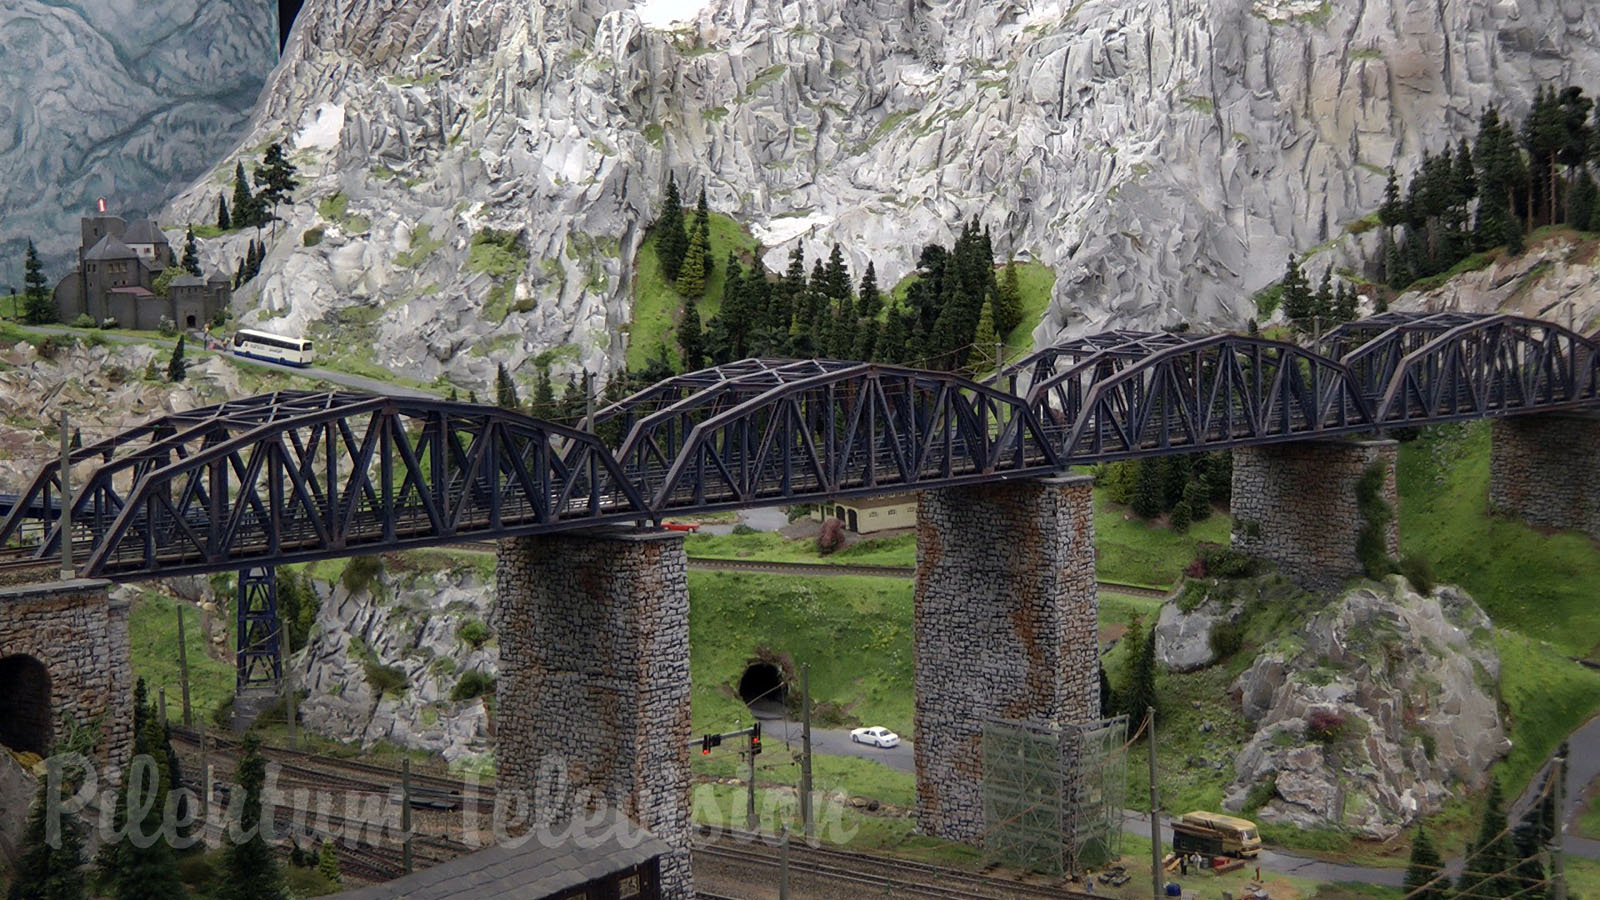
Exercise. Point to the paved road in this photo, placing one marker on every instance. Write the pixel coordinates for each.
(345, 379)
(836, 742)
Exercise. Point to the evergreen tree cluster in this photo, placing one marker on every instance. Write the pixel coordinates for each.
(1493, 191)
(955, 312)
(38, 307)
(1501, 862)
(1321, 309)
(148, 872)
(250, 266)
(274, 182)
(1185, 485)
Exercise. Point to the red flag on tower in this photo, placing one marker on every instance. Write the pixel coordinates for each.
(101, 203)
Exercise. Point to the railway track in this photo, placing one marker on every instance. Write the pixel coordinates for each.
(906, 878)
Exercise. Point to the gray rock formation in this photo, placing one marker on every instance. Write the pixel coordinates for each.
(1556, 278)
(124, 100)
(1184, 626)
(1373, 713)
(407, 622)
(1162, 158)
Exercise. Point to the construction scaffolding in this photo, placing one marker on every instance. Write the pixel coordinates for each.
(1053, 794)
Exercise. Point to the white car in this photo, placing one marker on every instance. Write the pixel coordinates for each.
(877, 736)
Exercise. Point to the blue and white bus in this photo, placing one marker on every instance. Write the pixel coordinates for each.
(272, 348)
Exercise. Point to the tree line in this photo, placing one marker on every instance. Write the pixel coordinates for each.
(1501, 862)
(1491, 192)
(954, 313)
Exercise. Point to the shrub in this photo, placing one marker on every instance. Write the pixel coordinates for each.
(52, 344)
(83, 320)
(109, 322)
(799, 511)
(473, 632)
(384, 679)
(1227, 638)
(1325, 725)
(1260, 794)
(167, 327)
(742, 528)
(312, 236)
(1217, 561)
(361, 572)
(197, 870)
(1419, 572)
(472, 685)
(1371, 547)
(831, 537)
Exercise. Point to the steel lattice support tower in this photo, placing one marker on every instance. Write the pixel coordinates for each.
(260, 654)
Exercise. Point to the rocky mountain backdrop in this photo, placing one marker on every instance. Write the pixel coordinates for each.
(128, 100)
(1163, 156)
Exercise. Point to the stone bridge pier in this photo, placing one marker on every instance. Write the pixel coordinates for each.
(1005, 627)
(593, 688)
(1545, 470)
(1297, 505)
(64, 657)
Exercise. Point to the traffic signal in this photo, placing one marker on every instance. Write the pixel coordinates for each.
(709, 741)
(755, 739)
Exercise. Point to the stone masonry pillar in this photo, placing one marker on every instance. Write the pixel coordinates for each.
(1545, 469)
(594, 678)
(1005, 627)
(1295, 505)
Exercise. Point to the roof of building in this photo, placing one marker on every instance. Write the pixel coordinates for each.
(188, 281)
(879, 502)
(132, 289)
(109, 248)
(531, 871)
(217, 276)
(143, 231)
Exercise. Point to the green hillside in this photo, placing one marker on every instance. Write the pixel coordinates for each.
(656, 303)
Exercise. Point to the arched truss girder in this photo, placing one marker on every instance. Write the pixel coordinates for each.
(1202, 393)
(1373, 347)
(857, 430)
(362, 474)
(765, 372)
(1483, 366)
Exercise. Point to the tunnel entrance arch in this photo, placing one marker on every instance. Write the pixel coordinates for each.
(763, 684)
(25, 704)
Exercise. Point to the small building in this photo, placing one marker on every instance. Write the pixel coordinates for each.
(118, 264)
(611, 863)
(865, 515)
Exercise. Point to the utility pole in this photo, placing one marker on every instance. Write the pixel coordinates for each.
(783, 864)
(405, 812)
(807, 823)
(288, 678)
(161, 694)
(1155, 807)
(67, 571)
(588, 401)
(999, 357)
(1558, 870)
(750, 820)
(183, 671)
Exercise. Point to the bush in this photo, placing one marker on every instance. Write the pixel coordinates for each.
(799, 511)
(1227, 638)
(197, 870)
(384, 679)
(1260, 794)
(1419, 572)
(472, 685)
(361, 573)
(167, 327)
(82, 320)
(473, 632)
(52, 344)
(1217, 561)
(1325, 725)
(312, 236)
(742, 528)
(831, 537)
(109, 322)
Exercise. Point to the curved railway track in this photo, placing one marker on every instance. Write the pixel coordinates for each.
(906, 878)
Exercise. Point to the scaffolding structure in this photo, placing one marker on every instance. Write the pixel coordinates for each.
(1053, 794)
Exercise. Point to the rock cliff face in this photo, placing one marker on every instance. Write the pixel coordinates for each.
(124, 100)
(1162, 157)
(1373, 714)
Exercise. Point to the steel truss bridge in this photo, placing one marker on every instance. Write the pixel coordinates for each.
(293, 476)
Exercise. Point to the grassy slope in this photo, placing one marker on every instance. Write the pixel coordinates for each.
(656, 304)
(1036, 279)
(153, 633)
(1540, 585)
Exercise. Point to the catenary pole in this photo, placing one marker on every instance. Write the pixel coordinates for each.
(1155, 806)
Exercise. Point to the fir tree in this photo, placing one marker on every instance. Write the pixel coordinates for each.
(191, 253)
(1140, 694)
(245, 204)
(249, 869)
(1008, 301)
(328, 863)
(836, 277)
(869, 302)
(275, 177)
(702, 215)
(176, 366)
(891, 344)
(1425, 872)
(1391, 213)
(1297, 301)
(1322, 303)
(544, 396)
(1492, 854)
(1197, 498)
(1181, 518)
(691, 343)
(1344, 304)
(672, 242)
(1394, 265)
(43, 871)
(694, 273)
(1581, 205)
(505, 390)
(148, 872)
(37, 307)
(985, 340)
(1149, 493)
(223, 220)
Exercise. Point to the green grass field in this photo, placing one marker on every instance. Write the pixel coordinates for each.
(900, 550)
(656, 303)
(153, 635)
(1036, 280)
(1542, 585)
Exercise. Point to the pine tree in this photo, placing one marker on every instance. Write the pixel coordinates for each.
(1394, 265)
(672, 242)
(328, 863)
(1181, 518)
(702, 214)
(1582, 204)
(694, 273)
(177, 367)
(42, 871)
(1008, 301)
(1492, 854)
(275, 177)
(691, 343)
(869, 306)
(1149, 493)
(544, 396)
(191, 253)
(890, 346)
(37, 307)
(1297, 300)
(245, 205)
(505, 389)
(149, 872)
(249, 868)
(1197, 497)
(985, 340)
(1140, 694)
(1425, 872)
(1344, 304)
(1322, 304)
(223, 220)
